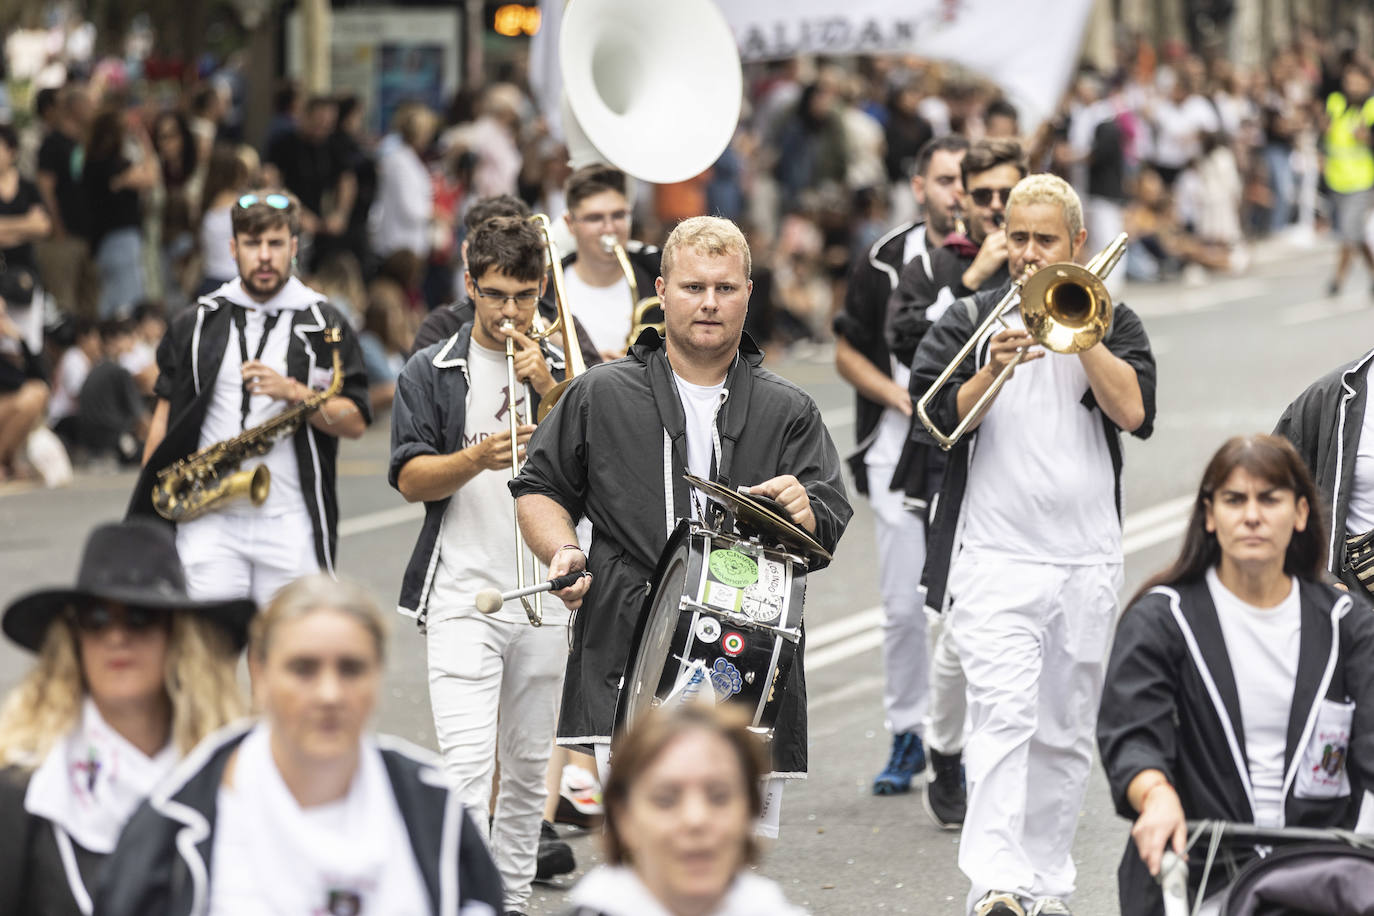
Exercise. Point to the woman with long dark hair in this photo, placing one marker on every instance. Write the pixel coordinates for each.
(1241, 684)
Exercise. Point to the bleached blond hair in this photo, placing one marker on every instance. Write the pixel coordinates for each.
(711, 235)
(200, 677)
(1044, 188)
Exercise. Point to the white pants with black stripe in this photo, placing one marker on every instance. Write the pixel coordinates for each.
(230, 554)
(901, 537)
(1033, 640)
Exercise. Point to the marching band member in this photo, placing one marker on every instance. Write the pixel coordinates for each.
(883, 412)
(131, 674)
(1025, 558)
(242, 355)
(599, 210)
(304, 811)
(1216, 706)
(494, 679)
(615, 451)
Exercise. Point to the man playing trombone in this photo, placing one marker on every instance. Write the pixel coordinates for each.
(1025, 550)
(494, 678)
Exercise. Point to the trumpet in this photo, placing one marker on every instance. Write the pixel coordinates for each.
(641, 310)
(516, 413)
(1064, 306)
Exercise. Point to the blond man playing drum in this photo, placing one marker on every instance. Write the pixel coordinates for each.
(1025, 557)
(615, 450)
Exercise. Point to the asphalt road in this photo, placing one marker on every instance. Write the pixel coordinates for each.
(1231, 354)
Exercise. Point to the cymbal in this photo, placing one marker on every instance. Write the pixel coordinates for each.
(754, 512)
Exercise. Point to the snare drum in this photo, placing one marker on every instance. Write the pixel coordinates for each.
(733, 604)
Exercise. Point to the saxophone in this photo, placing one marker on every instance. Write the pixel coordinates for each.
(205, 481)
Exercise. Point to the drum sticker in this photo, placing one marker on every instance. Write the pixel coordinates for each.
(733, 568)
(722, 596)
(732, 643)
(725, 679)
(707, 629)
(763, 600)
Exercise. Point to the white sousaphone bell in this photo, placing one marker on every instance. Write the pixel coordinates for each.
(651, 88)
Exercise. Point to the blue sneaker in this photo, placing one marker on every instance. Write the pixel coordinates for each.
(908, 758)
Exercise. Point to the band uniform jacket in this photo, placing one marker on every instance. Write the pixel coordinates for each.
(1170, 703)
(1126, 339)
(189, 360)
(34, 876)
(427, 418)
(615, 450)
(162, 864)
(862, 322)
(1324, 424)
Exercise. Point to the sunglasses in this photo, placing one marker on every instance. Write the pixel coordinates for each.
(524, 300)
(983, 196)
(275, 201)
(98, 617)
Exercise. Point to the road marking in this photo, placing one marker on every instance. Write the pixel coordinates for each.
(838, 418)
(384, 519)
(840, 694)
(1319, 310)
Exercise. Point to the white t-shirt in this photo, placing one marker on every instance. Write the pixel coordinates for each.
(699, 404)
(224, 418)
(477, 541)
(72, 370)
(1179, 129)
(1040, 484)
(1262, 644)
(216, 230)
(603, 310)
(1359, 516)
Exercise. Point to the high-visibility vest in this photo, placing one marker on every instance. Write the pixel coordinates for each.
(1349, 162)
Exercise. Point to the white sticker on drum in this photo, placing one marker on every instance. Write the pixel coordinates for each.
(707, 629)
(763, 601)
(724, 597)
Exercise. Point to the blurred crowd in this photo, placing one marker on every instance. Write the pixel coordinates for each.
(115, 194)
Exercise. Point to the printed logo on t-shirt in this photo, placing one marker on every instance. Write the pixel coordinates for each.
(342, 902)
(501, 415)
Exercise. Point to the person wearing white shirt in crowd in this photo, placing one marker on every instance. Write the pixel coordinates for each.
(1180, 120)
(304, 810)
(72, 370)
(130, 675)
(1239, 687)
(598, 293)
(405, 192)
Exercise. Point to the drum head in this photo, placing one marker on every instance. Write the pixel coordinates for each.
(658, 622)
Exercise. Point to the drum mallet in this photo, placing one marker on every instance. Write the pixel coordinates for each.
(489, 600)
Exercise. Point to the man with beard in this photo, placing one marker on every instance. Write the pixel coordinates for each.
(882, 414)
(248, 351)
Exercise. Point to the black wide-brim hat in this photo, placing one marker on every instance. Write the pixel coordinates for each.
(133, 562)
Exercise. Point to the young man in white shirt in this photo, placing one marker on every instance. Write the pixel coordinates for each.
(1025, 558)
(494, 679)
(598, 292)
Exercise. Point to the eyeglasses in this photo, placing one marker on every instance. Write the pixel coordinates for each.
(524, 300)
(594, 219)
(983, 196)
(98, 617)
(275, 201)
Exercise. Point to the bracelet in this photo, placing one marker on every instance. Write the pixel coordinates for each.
(569, 547)
(1146, 797)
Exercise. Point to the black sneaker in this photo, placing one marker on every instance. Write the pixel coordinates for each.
(555, 856)
(907, 759)
(945, 796)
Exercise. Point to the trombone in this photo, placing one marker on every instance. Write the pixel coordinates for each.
(640, 309)
(517, 414)
(1064, 306)
(572, 348)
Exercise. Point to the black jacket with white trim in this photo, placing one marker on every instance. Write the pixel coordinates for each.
(162, 863)
(38, 877)
(428, 418)
(189, 360)
(1170, 703)
(1126, 340)
(1324, 424)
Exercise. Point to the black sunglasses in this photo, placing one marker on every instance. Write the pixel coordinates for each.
(983, 196)
(98, 617)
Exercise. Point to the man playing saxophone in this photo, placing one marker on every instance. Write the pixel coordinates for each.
(259, 345)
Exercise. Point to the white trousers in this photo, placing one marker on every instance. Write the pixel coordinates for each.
(901, 536)
(233, 554)
(1033, 640)
(494, 687)
(947, 713)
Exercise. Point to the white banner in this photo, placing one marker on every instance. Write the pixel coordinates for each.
(1028, 47)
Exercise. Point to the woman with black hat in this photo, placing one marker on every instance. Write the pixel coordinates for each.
(131, 674)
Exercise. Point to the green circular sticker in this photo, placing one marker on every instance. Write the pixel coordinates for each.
(734, 568)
